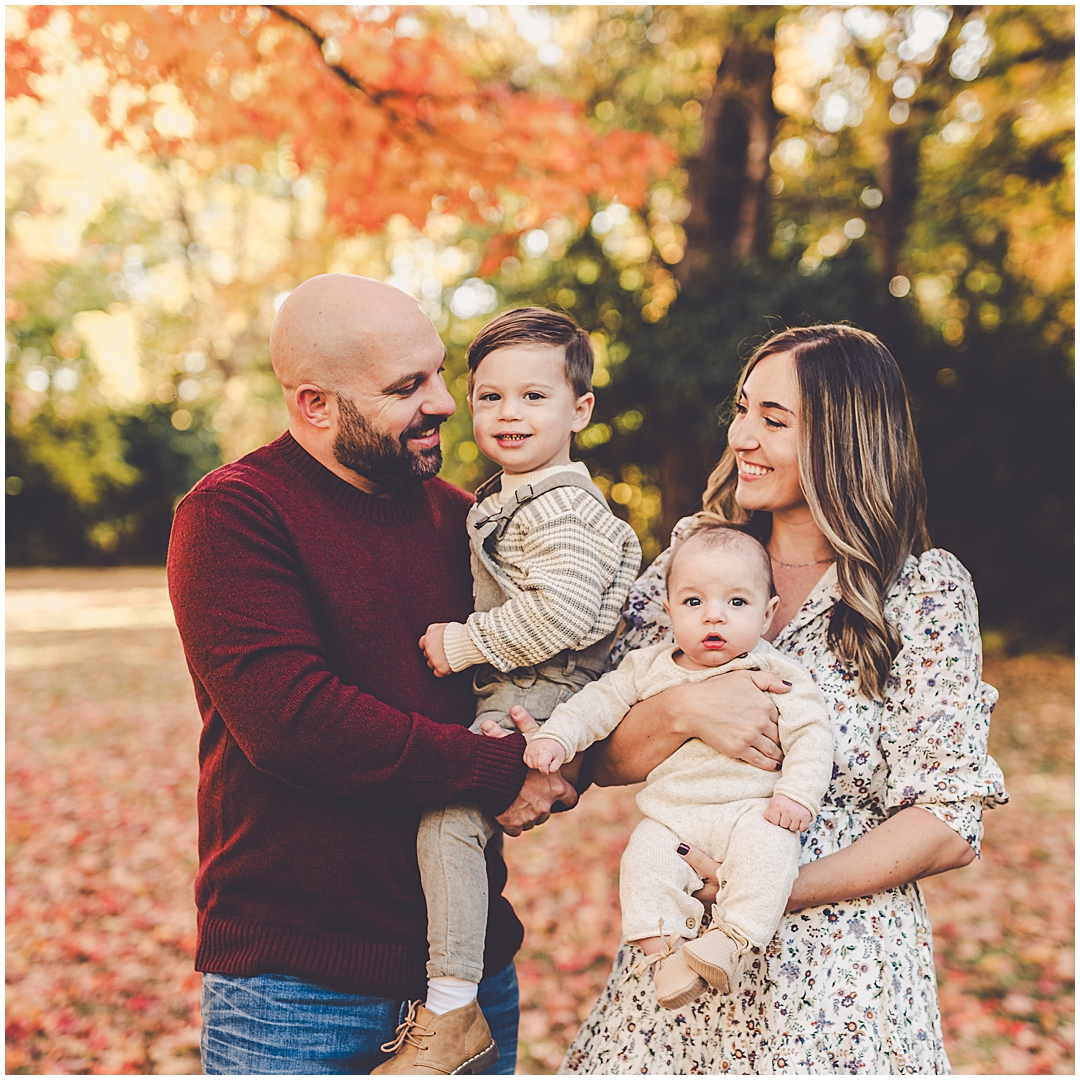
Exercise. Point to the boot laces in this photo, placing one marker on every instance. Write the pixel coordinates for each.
(741, 940)
(410, 1032)
(646, 962)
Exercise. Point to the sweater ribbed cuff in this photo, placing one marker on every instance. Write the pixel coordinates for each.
(459, 648)
(499, 772)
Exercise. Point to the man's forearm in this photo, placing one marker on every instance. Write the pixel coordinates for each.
(270, 681)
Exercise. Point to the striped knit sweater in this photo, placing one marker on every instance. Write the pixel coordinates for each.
(567, 564)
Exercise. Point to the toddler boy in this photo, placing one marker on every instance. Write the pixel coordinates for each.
(552, 567)
(721, 600)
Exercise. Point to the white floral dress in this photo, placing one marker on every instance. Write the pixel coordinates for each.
(847, 987)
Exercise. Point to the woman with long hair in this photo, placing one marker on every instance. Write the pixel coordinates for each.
(822, 466)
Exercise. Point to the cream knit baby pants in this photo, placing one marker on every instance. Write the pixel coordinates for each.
(759, 860)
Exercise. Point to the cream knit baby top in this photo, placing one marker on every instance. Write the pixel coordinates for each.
(805, 735)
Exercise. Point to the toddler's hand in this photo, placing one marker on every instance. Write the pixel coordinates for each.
(788, 814)
(434, 653)
(544, 755)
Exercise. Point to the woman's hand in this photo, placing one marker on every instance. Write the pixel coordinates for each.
(732, 713)
(706, 868)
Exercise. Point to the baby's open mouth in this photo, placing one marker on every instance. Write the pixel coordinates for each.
(714, 641)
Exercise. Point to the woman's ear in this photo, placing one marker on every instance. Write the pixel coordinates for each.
(313, 404)
(583, 409)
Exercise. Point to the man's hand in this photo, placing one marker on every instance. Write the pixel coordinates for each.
(434, 653)
(534, 802)
(787, 813)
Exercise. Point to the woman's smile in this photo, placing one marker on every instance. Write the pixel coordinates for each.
(751, 472)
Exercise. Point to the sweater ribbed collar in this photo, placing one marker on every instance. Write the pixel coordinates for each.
(400, 510)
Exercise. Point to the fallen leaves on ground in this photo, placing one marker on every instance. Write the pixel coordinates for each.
(101, 847)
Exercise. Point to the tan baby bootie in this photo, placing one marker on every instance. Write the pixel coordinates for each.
(675, 983)
(719, 955)
(455, 1043)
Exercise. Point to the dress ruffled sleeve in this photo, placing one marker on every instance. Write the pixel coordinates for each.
(644, 620)
(937, 710)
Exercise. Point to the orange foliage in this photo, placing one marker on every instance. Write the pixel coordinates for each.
(393, 122)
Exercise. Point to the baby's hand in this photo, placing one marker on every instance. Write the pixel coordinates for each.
(435, 654)
(787, 813)
(544, 755)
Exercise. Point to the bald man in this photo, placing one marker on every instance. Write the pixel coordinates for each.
(302, 577)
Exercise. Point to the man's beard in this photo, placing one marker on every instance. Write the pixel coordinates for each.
(380, 457)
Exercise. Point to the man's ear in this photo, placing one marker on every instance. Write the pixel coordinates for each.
(583, 408)
(313, 404)
(770, 611)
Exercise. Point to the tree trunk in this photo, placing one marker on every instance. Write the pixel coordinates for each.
(898, 174)
(728, 198)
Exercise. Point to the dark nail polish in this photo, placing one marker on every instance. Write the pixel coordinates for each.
(683, 849)
(778, 766)
(785, 682)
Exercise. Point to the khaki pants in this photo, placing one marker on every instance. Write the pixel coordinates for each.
(451, 842)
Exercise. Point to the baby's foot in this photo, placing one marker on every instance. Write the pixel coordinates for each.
(718, 956)
(674, 981)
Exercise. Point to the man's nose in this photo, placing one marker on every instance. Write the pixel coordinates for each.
(439, 402)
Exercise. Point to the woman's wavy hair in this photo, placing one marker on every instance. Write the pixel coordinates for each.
(861, 475)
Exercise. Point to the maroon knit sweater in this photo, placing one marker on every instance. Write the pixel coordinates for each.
(300, 601)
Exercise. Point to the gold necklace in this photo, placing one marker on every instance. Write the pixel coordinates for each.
(800, 565)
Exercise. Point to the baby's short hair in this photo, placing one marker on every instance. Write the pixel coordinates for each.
(724, 537)
(537, 326)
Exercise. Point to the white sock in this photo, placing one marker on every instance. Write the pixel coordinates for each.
(445, 993)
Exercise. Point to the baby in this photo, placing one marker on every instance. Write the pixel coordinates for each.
(552, 567)
(721, 600)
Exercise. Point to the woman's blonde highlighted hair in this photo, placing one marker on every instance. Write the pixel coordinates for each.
(861, 475)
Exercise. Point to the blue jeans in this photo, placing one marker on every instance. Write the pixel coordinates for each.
(280, 1024)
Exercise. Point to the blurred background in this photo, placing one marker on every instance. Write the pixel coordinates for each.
(683, 180)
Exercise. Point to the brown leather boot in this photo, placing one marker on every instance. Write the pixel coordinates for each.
(456, 1042)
